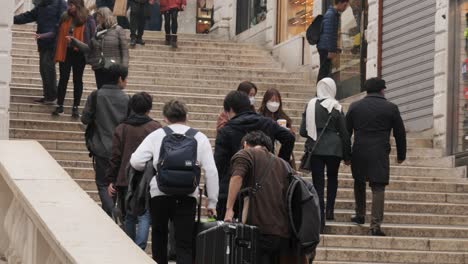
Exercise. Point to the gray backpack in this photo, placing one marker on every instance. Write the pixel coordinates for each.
(304, 213)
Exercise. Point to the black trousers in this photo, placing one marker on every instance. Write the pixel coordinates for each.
(325, 65)
(48, 73)
(76, 61)
(170, 21)
(181, 211)
(378, 202)
(100, 167)
(319, 163)
(101, 78)
(272, 248)
(137, 19)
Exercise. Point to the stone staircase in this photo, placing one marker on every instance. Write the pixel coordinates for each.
(426, 203)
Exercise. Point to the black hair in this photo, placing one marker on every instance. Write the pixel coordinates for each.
(258, 138)
(175, 111)
(141, 103)
(114, 72)
(237, 101)
(246, 86)
(341, 1)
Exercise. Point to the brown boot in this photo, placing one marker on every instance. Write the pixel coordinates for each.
(168, 40)
(174, 41)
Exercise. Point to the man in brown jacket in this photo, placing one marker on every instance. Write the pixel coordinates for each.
(127, 137)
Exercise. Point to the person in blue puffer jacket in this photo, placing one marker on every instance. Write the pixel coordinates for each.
(328, 42)
(46, 14)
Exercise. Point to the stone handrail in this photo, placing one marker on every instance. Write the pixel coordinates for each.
(46, 218)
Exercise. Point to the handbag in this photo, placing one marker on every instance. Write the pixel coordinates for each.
(306, 160)
(105, 63)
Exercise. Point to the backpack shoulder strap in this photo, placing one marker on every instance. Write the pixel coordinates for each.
(168, 130)
(191, 133)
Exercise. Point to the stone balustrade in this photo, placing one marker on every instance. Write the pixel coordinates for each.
(46, 218)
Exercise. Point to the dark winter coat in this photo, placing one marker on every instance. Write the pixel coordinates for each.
(105, 3)
(166, 5)
(329, 37)
(372, 119)
(228, 142)
(110, 110)
(113, 43)
(335, 140)
(47, 16)
(127, 137)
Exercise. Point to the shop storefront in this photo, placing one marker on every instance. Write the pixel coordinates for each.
(253, 13)
(293, 18)
(204, 16)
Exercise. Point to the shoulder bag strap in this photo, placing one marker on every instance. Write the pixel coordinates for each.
(168, 130)
(321, 134)
(191, 133)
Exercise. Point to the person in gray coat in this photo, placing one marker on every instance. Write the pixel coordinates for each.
(105, 109)
(110, 43)
(323, 116)
(372, 119)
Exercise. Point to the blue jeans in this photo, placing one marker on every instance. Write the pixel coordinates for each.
(137, 228)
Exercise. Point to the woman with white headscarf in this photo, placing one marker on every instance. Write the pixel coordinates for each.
(328, 142)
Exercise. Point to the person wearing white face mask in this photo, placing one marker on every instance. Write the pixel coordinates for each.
(246, 87)
(272, 106)
(328, 142)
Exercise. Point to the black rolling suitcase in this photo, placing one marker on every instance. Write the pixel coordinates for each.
(228, 243)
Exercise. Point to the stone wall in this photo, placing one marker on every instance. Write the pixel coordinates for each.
(188, 18)
(6, 21)
(372, 37)
(441, 74)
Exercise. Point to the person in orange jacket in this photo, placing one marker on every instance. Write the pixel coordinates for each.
(170, 10)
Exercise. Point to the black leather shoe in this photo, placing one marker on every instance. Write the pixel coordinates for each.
(132, 42)
(75, 112)
(376, 232)
(140, 41)
(58, 111)
(360, 220)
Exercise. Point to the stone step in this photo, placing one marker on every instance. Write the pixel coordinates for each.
(136, 54)
(396, 230)
(213, 87)
(188, 99)
(406, 218)
(394, 243)
(184, 43)
(25, 43)
(172, 68)
(409, 186)
(199, 62)
(161, 73)
(44, 121)
(419, 171)
(388, 256)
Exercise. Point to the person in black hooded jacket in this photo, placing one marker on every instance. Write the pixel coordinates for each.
(228, 139)
(47, 15)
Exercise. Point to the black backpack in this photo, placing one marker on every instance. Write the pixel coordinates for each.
(304, 213)
(138, 196)
(178, 172)
(314, 30)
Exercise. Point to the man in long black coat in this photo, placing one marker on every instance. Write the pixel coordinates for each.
(372, 119)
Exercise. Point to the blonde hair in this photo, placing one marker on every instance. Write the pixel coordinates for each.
(106, 14)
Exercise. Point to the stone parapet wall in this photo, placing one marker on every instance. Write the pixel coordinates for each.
(441, 74)
(46, 218)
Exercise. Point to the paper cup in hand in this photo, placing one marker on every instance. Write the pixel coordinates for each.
(282, 122)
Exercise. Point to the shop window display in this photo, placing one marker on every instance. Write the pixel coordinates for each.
(294, 17)
(253, 12)
(349, 67)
